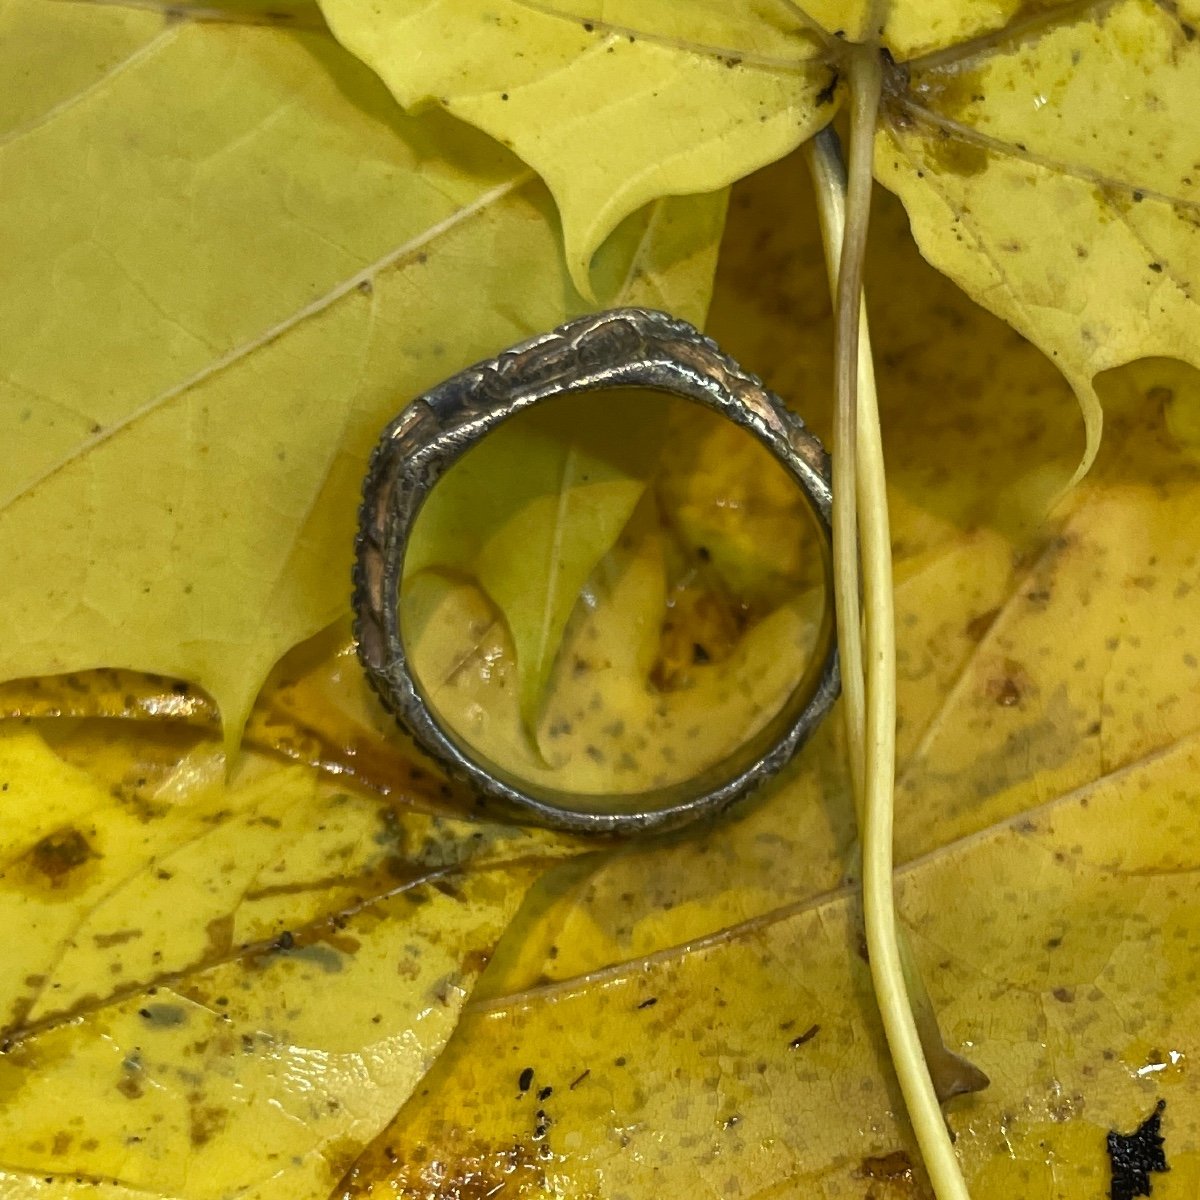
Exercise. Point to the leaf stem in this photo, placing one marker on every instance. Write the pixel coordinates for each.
(869, 656)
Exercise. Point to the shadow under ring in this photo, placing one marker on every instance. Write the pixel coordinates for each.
(620, 348)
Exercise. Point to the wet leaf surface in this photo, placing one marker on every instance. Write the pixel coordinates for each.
(227, 988)
(258, 984)
(1045, 818)
(751, 1061)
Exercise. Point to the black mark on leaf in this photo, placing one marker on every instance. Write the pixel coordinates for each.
(1135, 1156)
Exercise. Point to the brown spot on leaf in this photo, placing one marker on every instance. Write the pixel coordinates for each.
(58, 864)
(703, 624)
(477, 1174)
(59, 854)
(1010, 684)
(118, 938)
(894, 1165)
(340, 1156)
(978, 626)
(220, 936)
(956, 155)
(204, 1122)
(474, 961)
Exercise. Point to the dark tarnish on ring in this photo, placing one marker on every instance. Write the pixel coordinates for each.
(623, 348)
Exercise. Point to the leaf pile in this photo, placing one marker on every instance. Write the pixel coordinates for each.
(231, 259)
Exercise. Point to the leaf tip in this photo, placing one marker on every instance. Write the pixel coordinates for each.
(1093, 429)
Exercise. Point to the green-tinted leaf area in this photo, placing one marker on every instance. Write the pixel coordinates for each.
(530, 511)
(230, 261)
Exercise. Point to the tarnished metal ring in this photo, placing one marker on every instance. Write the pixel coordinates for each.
(622, 348)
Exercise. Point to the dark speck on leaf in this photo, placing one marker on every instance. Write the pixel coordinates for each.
(164, 1016)
(525, 1079)
(1135, 1156)
(825, 95)
(1005, 692)
(807, 1036)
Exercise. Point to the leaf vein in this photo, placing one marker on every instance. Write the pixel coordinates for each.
(1025, 27)
(703, 49)
(143, 52)
(312, 309)
(817, 905)
(1084, 174)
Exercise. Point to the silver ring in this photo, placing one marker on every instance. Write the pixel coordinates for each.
(622, 348)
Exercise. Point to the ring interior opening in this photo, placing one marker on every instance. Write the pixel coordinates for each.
(614, 594)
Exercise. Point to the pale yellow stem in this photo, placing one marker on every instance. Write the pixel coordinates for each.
(869, 659)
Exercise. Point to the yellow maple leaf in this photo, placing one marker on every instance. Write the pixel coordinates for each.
(1039, 793)
(1050, 170)
(612, 111)
(1046, 158)
(1045, 777)
(664, 999)
(230, 261)
(222, 988)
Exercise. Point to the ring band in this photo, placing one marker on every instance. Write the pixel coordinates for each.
(621, 348)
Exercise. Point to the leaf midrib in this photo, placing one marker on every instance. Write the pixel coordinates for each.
(366, 275)
(498, 1006)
